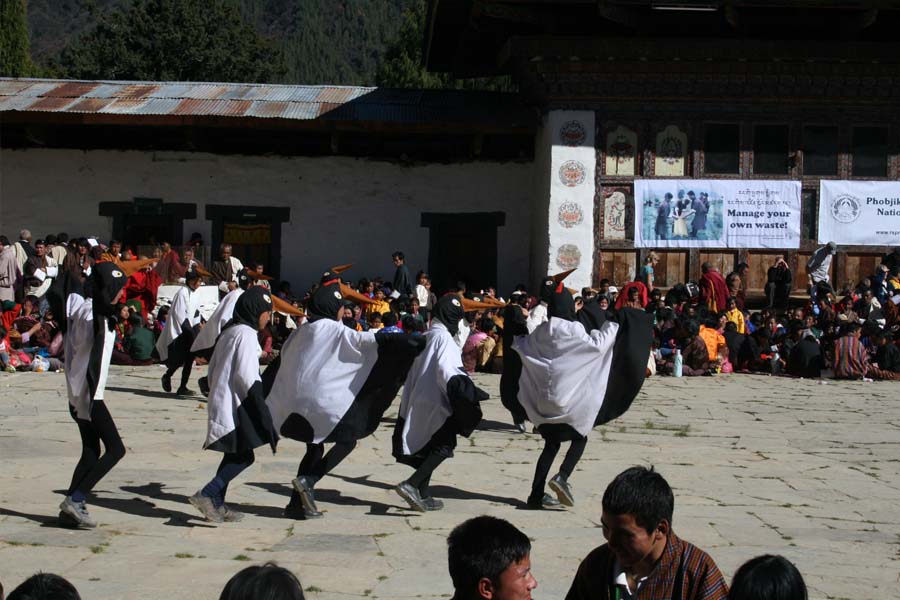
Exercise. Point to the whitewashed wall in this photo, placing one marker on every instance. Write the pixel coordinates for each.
(342, 209)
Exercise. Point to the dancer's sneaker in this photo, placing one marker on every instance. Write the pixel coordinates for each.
(540, 503)
(207, 507)
(304, 486)
(563, 490)
(432, 503)
(410, 493)
(229, 515)
(76, 513)
(167, 384)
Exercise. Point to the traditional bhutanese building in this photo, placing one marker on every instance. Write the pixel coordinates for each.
(485, 187)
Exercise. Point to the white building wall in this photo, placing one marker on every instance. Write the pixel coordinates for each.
(342, 209)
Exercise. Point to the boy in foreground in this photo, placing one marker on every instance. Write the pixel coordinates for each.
(643, 558)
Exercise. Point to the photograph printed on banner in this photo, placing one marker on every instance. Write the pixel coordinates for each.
(682, 213)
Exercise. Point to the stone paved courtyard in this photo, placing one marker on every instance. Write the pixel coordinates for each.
(759, 465)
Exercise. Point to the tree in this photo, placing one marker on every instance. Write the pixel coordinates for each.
(15, 54)
(174, 40)
(402, 65)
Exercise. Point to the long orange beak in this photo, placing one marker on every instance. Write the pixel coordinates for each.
(340, 268)
(130, 267)
(353, 296)
(286, 308)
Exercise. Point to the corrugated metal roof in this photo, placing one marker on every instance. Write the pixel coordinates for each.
(262, 101)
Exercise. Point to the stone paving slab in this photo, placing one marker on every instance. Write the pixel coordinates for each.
(801, 468)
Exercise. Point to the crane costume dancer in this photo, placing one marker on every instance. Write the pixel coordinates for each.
(575, 377)
(439, 403)
(239, 421)
(332, 384)
(175, 341)
(89, 328)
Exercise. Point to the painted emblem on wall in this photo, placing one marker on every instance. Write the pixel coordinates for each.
(621, 147)
(845, 208)
(616, 205)
(571, 173)
(670, 150)
(615, 212)
(568, 256)
(570, 215)
(572, 133)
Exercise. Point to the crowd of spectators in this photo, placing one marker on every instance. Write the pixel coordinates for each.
(701, 328)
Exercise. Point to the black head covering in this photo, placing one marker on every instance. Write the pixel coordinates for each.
(191, 275)
(449, 311)
(251, 305)
(106, 281)
(562, 306)
(328, 276)
(243, 279)
(63, 286)
(325, 302)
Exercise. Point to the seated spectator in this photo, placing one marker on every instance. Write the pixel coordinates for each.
(642, 551)
(887, 358)
(734, 341)
(470, 347)
(45, 586)
(375, 322)
(694, 356)
(139, 341)
(850, 359)
(5, 358)
(767, 577)
(489, 558)
(805, 358)
(715, 342)
(267, 581)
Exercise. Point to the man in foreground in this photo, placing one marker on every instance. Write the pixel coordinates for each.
(489, 559)
(643, 556)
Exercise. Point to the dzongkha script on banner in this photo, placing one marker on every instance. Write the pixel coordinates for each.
(716, 213)
(860, 213)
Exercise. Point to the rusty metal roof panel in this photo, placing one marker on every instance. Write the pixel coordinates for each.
(205, 92)
(172, 90)
(10, 103)
(74, 89)
(13, 86)
(303, 94)
(48, 103)
(135, 90)
(103, 90)
(156, 106)
(301, 110)
(125, 106)
(90, 105)
(267, 110)
(333, 95)
(39, 88)
(237, 93)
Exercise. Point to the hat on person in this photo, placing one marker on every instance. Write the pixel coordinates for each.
(612, 290)
(832, 247)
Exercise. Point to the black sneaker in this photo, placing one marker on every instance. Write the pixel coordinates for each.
(408, 492)
(184, 391)
(546, 501)
(520, 426)
(563, 491)
(296, 511)
(167, 384)
(304, 486)
(432, 503)
(203, 382)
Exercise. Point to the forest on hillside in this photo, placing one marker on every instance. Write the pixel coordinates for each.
(321, 41)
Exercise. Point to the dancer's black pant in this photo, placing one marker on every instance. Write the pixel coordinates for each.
(317, 463)
(92, 467)
(421, 479)
(185, 369)
(545, 461)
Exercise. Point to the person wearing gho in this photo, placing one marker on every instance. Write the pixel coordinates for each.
(88, 323)
(332, 384)
(182, 326)
(570, 381)
(439, 402)
(238, 419)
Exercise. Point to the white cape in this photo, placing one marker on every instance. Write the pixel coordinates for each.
(184, 306)
(565, 372)
(233, 369)
(79, 341)
(425, 406)
(324, 365)
(213, 327)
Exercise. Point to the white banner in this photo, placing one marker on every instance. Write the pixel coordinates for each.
(716, 213)
(572, 185)
(860, 213)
